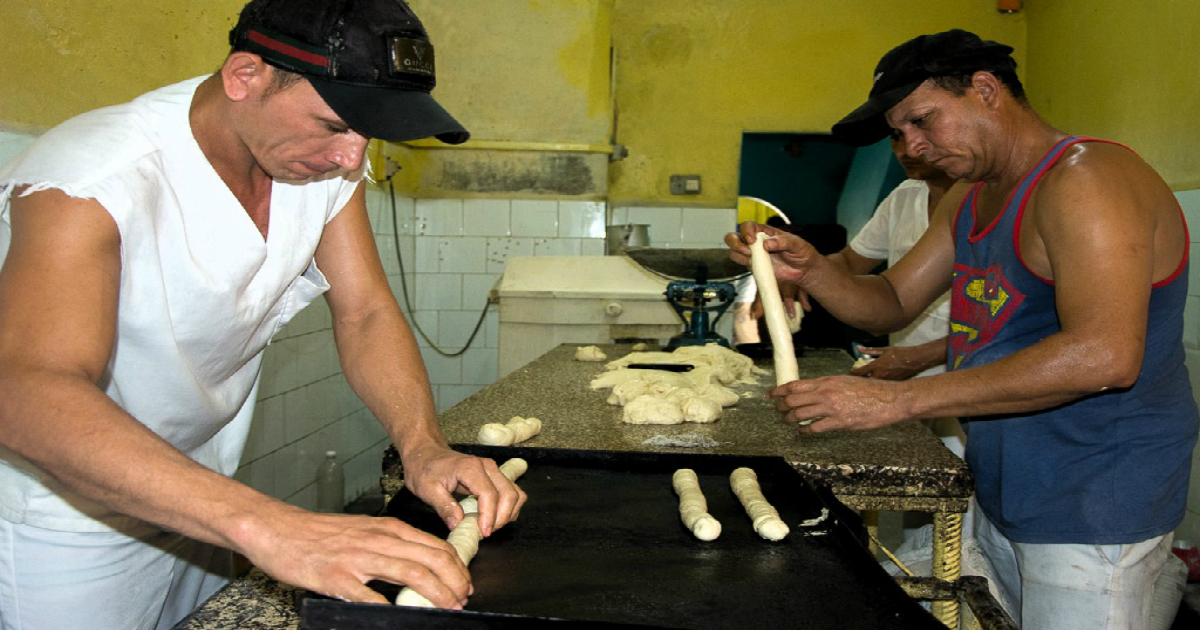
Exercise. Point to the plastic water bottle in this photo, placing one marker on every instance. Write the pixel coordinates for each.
(331, 485)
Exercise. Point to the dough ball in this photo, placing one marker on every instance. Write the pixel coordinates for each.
(495, 434)
(589, 353)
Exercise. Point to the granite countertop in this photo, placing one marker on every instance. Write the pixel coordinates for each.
(903, 460)
(900, 467)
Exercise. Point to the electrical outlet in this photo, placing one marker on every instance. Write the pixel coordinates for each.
(685, 184)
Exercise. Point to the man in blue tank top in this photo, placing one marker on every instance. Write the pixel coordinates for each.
(1067, 266)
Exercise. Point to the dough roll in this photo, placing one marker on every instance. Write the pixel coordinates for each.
(767, 523)
(693, 508)
(465, 536)
(786, 368)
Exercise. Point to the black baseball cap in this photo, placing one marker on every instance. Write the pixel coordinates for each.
(371, 60)
(905, 67)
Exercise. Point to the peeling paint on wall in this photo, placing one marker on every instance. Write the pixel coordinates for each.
(557, 174)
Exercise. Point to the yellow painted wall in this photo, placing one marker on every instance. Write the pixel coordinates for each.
(64, 57)
(1129, 71)
(693, 75)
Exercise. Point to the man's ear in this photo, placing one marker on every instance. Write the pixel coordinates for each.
(244, 75)
(988, 87)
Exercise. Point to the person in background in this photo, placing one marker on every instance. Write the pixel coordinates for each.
(150, 251)
(920, 348)
(1067, 266)
(899, 221)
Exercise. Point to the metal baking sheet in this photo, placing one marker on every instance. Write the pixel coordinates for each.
(600, 541)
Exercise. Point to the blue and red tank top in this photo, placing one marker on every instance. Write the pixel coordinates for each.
(1108, 468)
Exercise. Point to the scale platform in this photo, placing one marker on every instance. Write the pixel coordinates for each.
(682, 263)
(699, 290)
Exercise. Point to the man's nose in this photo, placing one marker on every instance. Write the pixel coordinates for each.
(348, 155)
(915, 144)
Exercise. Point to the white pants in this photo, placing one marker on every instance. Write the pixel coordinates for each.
(1062, 586)
(54, 580)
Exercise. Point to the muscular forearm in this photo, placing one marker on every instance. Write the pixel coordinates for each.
(1057, 370)
(390, 377)
(64, 425)
(862, 301)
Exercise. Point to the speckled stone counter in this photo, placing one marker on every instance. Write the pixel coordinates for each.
(253, 602)
(901, 467)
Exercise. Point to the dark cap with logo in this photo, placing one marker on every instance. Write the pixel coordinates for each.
(371, 60)
(905, 67)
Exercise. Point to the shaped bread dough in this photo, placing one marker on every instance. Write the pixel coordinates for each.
(767, 523)
(515, 431)
(648, 409)
(693, 509)
(465, 536)
(589, 353)
(786, 368)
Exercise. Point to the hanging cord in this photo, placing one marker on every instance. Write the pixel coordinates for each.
(404, 288)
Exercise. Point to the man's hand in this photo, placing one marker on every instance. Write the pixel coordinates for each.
(840, 402)
(337, 554)
(898, 363)
(434, 473)
(791, 256)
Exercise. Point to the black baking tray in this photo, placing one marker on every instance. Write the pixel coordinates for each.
(600, 543)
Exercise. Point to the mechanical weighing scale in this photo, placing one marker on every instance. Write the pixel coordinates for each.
(698, 290)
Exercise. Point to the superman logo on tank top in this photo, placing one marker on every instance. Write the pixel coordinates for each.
(981, 302)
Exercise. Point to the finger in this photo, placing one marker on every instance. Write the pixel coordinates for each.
(795, 387)
(804, 301)
(447, 509)
(416, 557)
(870, 351)
(431, 584)
(487, 491)
(349, 589)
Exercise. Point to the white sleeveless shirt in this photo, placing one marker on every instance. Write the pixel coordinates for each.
(201, 293)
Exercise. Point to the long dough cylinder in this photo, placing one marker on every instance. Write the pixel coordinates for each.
(786, 367)
(515, 431)
(465, 536)
(767, 523)
(693, 509)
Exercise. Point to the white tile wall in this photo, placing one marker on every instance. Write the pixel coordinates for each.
(681, 227)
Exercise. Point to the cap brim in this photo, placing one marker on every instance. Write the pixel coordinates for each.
(390, 114)
(867, 125)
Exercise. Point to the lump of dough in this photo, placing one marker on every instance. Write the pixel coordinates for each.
(495, 434)
(622, 393)
(719, 393)
(647, 409)
(700, 409)
(589, 353)
(516, 430)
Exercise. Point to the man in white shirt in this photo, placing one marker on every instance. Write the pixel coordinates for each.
(899, 221)
(150, 251)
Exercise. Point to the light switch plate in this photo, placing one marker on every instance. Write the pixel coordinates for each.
(685, 184)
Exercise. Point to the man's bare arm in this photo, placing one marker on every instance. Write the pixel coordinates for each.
(1099, 229)
(58, 307)
(383, 365)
